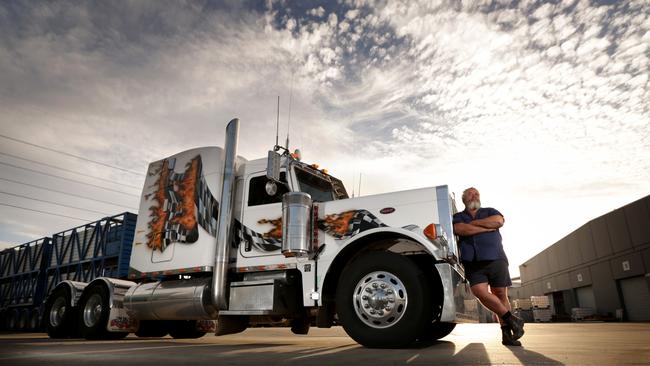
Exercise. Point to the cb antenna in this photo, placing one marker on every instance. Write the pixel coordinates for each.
(277, 125)
(289, 117)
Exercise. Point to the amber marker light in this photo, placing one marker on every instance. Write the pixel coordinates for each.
(430, 232)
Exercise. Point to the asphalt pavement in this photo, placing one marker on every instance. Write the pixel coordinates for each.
(468, 344)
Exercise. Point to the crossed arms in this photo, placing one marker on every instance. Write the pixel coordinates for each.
(485, 225)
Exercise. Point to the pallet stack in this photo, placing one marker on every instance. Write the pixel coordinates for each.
(579, 314)
(541, 309)
(523, 309)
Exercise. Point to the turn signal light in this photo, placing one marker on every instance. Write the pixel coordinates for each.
(430, 232)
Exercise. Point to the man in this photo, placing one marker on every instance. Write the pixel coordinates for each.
(485, 262)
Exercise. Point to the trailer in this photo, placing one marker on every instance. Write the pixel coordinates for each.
(222, 243)
(28, 272)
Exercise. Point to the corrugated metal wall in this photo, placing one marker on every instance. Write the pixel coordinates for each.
(601, 254)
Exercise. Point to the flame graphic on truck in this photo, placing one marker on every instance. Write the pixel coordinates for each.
(341, 225)
(181, 202)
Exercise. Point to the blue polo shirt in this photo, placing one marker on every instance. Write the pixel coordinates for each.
(483, 246)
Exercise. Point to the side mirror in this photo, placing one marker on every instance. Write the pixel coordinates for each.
(273, 166)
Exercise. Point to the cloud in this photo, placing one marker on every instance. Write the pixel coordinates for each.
(526, 100)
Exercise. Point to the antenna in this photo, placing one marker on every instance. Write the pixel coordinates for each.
(359, 185)
(277, 125)
(354, 182)
(289, 118)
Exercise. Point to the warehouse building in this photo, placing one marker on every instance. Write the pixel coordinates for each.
(604, 265)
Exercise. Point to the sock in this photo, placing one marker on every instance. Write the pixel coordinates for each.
(506, 315)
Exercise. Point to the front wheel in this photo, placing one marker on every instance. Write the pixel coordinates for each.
(437, 331)
(383, 300)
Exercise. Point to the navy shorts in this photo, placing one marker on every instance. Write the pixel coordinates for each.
(495, 273)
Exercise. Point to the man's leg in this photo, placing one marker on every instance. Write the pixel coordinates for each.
(489, 300)
(502, 294)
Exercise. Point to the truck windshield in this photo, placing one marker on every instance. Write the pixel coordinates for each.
(319, 188)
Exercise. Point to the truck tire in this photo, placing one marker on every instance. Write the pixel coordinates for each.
(12, 319)
(23, 320)
(184, 329)
(3, 319)
(93, 315)
(152, 328)
(60, 320)
(35, 320)
(436, 331)
(383, 300)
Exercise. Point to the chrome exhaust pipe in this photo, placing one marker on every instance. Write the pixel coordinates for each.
(224, 219)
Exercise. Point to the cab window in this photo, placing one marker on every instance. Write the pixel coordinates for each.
(257, 191)
(320, 189)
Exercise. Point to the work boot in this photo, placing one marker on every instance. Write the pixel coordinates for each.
(516, 324)
(506, 338)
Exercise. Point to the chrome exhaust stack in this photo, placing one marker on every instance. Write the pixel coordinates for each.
(224, 220)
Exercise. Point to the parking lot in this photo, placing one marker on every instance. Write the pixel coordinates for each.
(469, 344)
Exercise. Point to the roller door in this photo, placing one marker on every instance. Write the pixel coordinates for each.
(586, 297)
(636, 298)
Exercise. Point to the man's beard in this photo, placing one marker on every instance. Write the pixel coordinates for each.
(473, 205)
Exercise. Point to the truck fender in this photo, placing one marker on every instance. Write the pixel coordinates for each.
(76, 289)
(413, 233)
(116, 289)
(364, 240)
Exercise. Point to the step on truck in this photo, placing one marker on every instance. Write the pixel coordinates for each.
(223, 243)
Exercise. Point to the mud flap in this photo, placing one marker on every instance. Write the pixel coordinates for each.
(119, 320)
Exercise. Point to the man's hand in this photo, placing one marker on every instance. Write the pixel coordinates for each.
(464, 229)
(491, 222)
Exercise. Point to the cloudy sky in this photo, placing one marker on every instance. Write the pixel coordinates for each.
(542, 106)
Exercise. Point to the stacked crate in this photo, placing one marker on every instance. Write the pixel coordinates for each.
(523, 309)
(580, 314)
(541, 308)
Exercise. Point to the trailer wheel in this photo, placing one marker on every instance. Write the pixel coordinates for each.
(35, 320)
(383, 300)
(13, 316)
(23, 320)
(437, 331)
(180, 329)
(59, 315)
(152, 328)
(3, 319)
(93, 315)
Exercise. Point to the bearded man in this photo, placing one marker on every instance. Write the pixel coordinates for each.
(485, 262)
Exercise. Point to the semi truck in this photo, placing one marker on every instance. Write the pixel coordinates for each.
(222, 243)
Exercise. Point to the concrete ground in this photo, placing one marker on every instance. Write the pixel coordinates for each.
(468, 344)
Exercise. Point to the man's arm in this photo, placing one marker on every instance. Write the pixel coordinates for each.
(463, 229)
(490, 222)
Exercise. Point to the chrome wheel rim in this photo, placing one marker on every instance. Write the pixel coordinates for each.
(380, 299)
(92, 310)
(57, 312)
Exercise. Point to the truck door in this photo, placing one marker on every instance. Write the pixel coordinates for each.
(260, 231)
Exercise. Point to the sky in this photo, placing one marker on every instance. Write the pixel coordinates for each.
(543, 106)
